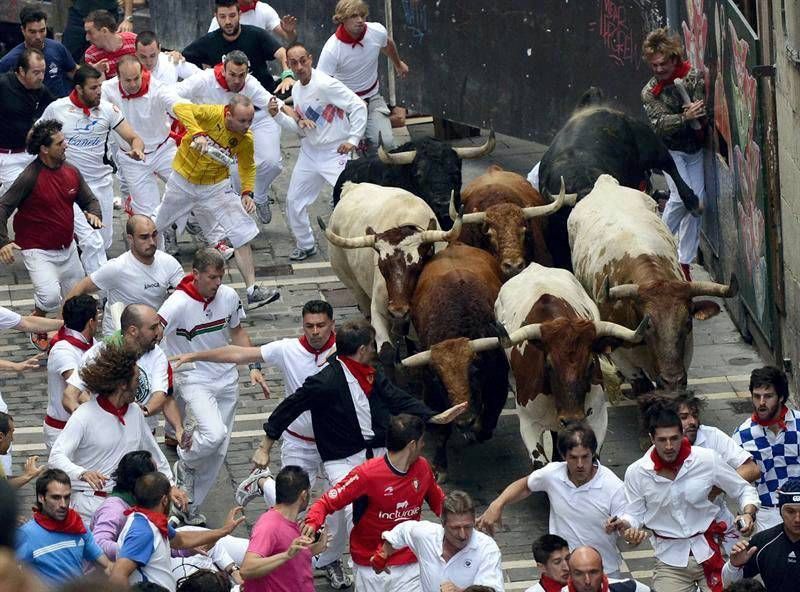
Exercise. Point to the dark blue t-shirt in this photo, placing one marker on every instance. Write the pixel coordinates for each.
(58, 63)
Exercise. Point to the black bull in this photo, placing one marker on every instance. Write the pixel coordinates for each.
(599, 140)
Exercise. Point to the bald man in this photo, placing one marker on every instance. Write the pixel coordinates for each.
(141, 275)
(586, 574)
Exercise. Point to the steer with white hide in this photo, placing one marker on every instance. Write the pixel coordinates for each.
(380, 239)
(556, 338)
(626, 259)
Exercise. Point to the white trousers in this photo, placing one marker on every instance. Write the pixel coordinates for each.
(213, 204)
(90, 240)
(335, 471)
(214, 408)
(267, 156)
(403, 578)
(142, 177)
(768, 517)
(677, 218)
(103, 190)
(314, 167)
(50, 434)
(53, 274)
(11, 165)
(378, 122)
(85, 503)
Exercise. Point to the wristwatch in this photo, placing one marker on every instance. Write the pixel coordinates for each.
(129, 18)
(254, 366)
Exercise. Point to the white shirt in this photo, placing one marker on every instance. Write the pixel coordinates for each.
(680, 509)
(356, 67)
(479, 563)
(150, 115)
(126, 279)
(361, 403)
(95, 440)
(86, 135)
(577, 514)
(722, 444)
(151, 545)
(189, 326)
(340, 116)
(63, 357)
(296, 364)
(8, 318)
(169, 72)
(611, 581)
(262, 16)
(204, 89)
(153, 376)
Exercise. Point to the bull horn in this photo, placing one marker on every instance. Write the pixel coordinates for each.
(357, 242)
(623, 291)
(546, 210)
(394, 157)
(473, 218)
(606, 329)
(420, 359)
(467, 153)
(532, 332)
(433, 236)
(484, 344)
(715, 289)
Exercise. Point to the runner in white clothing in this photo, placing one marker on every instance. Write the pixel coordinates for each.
(100, 432)
(166, 67)
(351, 56)
(74, 339)
(330, 120)
(146, 105)
(216, 87)
(203, 314)
(550, 552)
(262, 15)
(584, 496)
(88, 121)
(143, 274)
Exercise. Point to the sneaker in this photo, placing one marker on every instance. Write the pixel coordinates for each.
(224, 249)
(249, 489)
(336, 575)
(40, 341)
(170, 241)
(299, 254)
(190, 518)
(184, 478)
(117, 202)
(261, 296)
(264, 212)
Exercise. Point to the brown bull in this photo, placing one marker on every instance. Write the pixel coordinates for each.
(453, 313)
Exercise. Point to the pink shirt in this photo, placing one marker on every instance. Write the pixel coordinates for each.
(271, 535)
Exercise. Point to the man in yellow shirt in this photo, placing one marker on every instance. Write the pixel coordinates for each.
(201, 183)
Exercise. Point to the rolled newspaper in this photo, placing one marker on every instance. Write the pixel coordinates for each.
(215, 154)
(681, 86)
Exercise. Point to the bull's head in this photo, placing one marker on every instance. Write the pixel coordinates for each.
(506, 224)
(451, 360)
(570, 349)
(402, 251)
(671, 309)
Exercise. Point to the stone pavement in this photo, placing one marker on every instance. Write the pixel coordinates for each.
(720, 371)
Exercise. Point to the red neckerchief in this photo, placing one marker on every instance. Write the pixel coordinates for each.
(680, 71)
(106, 405)
(72, 524)
(549, 584)
(364, 374)
(187, 285)
(780, 420)
(345, 37)
(328, 344)
(712, 567)
(142, 89)
(219, 74)
(73, 97)
(659, 464)
(62, 335)
(604, 588)
(248, 7)
(158, 519)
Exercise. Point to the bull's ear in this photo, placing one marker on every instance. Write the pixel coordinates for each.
(704, 309)
(370, 230)
(432, 224)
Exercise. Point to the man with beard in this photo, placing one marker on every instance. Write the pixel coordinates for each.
(144, 274)
(88, 121)
(586, 574)
(108, 43)
(56, 543)
(102, 430)
(770, 435)
(59, 65)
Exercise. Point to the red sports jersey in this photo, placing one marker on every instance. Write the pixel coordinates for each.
(382, 497)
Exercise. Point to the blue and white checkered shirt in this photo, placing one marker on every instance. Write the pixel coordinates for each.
(777, 455)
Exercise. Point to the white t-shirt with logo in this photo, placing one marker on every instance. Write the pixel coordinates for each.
(86, 135)
(63, 356)
(356, 67)
(126, 279)
(263, 16)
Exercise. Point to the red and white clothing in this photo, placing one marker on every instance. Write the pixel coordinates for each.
(169, 72)
(95, 439)
(340, 116)
(8, 320)
(210, 390)
(94, 54)
(477, 564)
(150, 113)
(127, 280)
(64, 356)
(260, 14)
